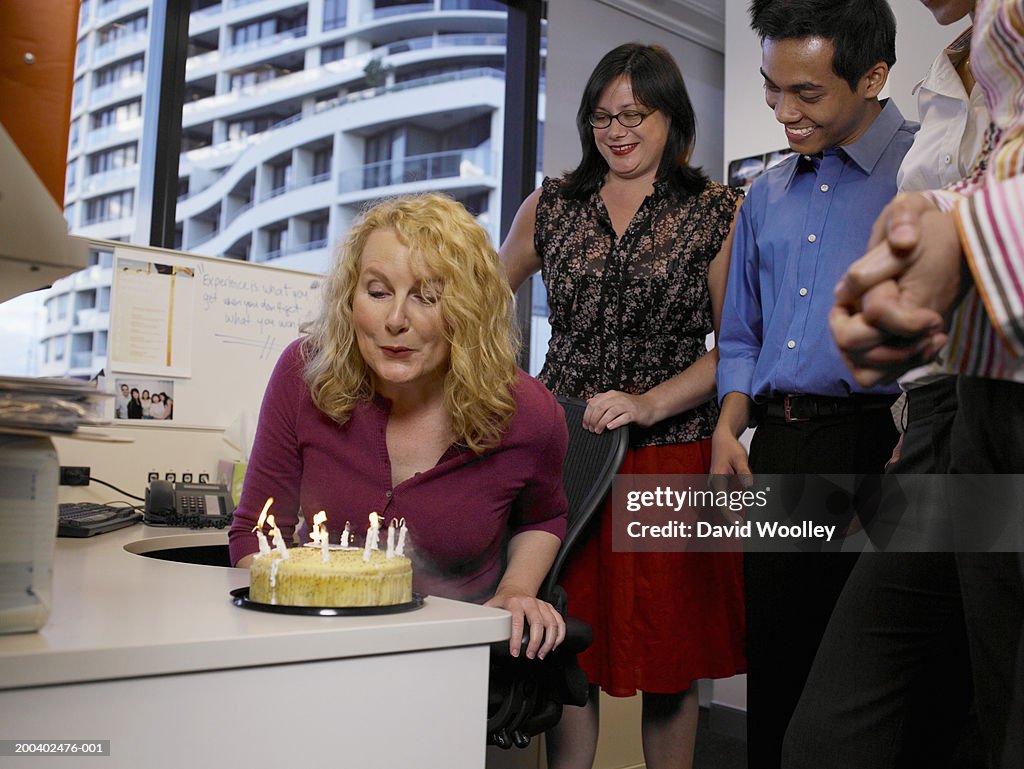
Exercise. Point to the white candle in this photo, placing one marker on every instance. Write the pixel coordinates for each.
(346, 534)
(402, 531)
(261, 538)
(391, 538)
(372, 535)
(320, 524)
(275, 532)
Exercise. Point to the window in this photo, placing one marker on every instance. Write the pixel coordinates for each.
(239, 129)
(277, 241)
(335, 14)
(107, 207)
(115, 73)
(318, 232)
(331, 53)
(71, 177)
(249, 78)
(124, 156)
(330, 125)
(471, 5)
(322, 164)
(282, 177)
(119, 113)
(122, 29)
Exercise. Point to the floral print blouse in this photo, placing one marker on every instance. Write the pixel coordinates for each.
(628, 313)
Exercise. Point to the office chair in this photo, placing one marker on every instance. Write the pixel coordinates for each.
(526, 696)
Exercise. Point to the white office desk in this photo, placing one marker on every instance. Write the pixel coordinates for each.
(153, 656)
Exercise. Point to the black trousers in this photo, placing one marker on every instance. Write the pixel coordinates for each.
(790, 597)
(988, 437)
(891, 685)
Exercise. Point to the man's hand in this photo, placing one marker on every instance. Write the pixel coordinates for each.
(892, 304)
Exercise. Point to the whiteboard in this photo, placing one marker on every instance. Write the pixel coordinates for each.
(225, 323)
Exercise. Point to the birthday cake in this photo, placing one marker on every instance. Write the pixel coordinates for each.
(304, 578)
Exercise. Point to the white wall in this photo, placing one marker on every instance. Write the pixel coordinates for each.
(750, 127)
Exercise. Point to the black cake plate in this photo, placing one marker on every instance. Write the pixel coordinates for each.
(240, 597)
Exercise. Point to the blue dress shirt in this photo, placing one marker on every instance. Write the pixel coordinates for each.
(801, 226)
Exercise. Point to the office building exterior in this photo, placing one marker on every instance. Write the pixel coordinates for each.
(297, 115)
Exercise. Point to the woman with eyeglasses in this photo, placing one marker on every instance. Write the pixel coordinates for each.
(633, 246)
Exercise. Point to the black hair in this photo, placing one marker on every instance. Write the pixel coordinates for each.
(656, 83)
(863, 32)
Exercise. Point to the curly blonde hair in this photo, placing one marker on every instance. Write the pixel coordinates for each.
(476, 305)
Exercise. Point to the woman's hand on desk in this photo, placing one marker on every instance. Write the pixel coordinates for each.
(547, 628)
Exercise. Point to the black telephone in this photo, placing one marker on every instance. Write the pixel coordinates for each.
(197, 505)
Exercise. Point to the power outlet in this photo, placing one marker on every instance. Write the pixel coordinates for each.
(74, 476)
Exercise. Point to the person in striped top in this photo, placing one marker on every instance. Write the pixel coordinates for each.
(958, 254)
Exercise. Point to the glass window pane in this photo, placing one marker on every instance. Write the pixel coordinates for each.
(285, 106)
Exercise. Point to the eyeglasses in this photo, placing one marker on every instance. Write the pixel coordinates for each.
(628, 118)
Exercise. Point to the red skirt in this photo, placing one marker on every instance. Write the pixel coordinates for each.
(661, 620)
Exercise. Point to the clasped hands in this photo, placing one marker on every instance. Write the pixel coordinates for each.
(893, 304)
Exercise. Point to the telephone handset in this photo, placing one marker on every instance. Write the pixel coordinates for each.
(198, 505)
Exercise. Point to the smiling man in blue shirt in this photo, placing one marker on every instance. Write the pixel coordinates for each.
(824, 62)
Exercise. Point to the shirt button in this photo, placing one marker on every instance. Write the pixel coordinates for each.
(811, 238)
(947, 160)
(803, 292)
(790, 344)
(388, 493)
(824, 188)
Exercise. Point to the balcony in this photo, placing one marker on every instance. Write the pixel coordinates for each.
(468, 163)
(117, 7)
(115, 178)
(396, 10)
(128, 85)
(116, 132)
(249, 45)
(122, 46)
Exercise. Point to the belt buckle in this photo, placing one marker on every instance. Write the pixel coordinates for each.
(787, 408)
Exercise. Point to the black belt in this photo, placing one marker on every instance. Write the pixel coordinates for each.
(801, 408)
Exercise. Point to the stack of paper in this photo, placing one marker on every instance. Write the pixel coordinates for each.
(49, 405)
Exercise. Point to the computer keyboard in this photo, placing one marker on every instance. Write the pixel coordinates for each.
(84, 519)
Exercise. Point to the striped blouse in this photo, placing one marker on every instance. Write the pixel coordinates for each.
(987, 332)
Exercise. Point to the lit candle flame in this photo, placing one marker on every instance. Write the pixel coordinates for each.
(261, 539)
(263, 515)
(372, 542)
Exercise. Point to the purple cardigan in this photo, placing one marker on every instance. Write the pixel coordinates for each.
(459, 513)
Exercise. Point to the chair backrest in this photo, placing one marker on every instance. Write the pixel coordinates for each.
(587, 474)
(526, 696)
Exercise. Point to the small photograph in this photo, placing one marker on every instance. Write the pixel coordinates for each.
(143, 398)
(744, 171)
